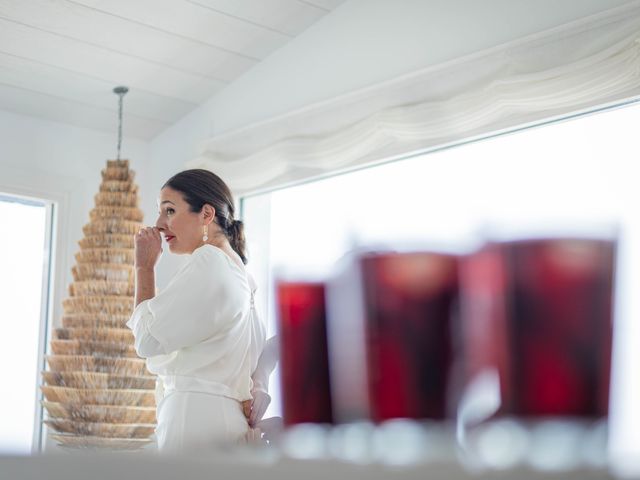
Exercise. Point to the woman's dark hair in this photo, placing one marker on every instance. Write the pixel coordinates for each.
(200, 187)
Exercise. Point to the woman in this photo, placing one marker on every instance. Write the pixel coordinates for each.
(201, 335)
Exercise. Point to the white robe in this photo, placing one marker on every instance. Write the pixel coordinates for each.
(202, 336)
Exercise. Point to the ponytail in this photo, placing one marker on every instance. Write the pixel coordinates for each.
(235, 235)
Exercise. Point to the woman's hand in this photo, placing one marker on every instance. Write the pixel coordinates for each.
(271, 429)
(259, 405)
(254, 437)
(148, 247)
(267, 431)
(255, 408)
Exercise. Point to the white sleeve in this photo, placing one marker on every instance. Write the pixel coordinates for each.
(145, 344)
(266, 364)
(203, 299)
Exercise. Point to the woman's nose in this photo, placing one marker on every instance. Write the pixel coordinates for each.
(160, 225)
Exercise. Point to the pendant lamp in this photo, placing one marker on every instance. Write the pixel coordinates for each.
(97, 393)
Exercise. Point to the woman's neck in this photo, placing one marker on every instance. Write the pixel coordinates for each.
(219, 240)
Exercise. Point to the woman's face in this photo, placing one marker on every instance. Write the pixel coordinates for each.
(182, 228)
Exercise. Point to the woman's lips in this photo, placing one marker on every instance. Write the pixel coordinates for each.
(168, 238)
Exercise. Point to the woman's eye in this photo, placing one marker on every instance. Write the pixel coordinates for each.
(170, 211)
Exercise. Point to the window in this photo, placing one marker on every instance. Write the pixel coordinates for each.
(24, 276)
(563, 177)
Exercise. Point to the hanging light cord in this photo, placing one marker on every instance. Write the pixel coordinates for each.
(120, 91)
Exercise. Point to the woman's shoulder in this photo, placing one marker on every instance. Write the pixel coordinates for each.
(218, 270)
(207, 251)
(217, 260)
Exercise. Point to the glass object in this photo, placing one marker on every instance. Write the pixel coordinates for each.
(306, 395)
(537, 315)
(408, 300)
(390, 318)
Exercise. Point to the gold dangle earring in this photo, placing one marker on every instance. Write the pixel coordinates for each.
(205, 235)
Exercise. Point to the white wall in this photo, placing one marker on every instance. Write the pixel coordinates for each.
(361, 43)
(62, 163)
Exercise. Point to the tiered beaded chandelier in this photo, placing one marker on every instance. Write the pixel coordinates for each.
(98, 393)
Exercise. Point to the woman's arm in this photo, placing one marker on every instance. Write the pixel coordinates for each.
(145, 284)
(148, 247)
(266, 364)
(260, 391)
(202, 298)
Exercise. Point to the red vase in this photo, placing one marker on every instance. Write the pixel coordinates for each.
(390, 336)
(306, 395)
(539, 313)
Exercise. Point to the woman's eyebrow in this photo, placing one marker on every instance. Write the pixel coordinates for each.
(167, 201)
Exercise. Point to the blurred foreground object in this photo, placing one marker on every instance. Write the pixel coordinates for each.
(537, 317)
(306, 396)
(390, 327)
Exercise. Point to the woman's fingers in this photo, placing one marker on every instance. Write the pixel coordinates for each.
(153, 232)
(246, 408)
(143, 233)
(261, 401)
(271, 428)
(150, 235)
(253, 436)
(146, 232)
(148, 247)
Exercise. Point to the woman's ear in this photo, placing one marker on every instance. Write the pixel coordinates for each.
(208, 213)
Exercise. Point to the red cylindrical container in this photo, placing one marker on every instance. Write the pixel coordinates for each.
(409, 300)
(539, 313)
(306, 394)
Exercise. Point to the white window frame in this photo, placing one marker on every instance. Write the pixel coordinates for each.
(56, 193)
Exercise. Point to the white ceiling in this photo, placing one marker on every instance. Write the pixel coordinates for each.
(60, 59)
